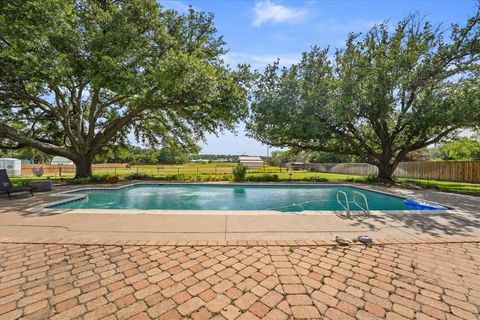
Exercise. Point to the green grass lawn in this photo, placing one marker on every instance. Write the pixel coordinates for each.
(223, 172)
(194, 172)
(456, 187)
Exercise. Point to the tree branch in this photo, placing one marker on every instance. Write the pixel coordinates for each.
(16, 147)
(12, 134)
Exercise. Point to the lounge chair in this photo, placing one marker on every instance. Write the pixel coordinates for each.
(7, 187)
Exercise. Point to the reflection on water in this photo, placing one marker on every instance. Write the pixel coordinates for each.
(211, 197)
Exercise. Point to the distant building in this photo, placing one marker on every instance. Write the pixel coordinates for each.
(296, 166)
(13, 166)
(61, 160)
(251, 162)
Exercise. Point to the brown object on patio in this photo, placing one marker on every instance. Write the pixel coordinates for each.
(113, 179)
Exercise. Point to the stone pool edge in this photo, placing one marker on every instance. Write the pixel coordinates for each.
(75, 195)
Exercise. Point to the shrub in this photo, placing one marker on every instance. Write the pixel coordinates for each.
(21, 181)
(77, 181)
(139, 176)
(366, 179)
(263, 178)
(211, 178)
(239, 172)
(101, 179)
(172, 177)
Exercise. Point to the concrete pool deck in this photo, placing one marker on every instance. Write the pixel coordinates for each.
(19, 223)
(71, 265)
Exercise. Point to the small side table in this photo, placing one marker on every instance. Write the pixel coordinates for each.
(41, 186)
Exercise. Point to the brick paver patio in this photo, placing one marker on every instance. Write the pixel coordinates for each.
(241, 281)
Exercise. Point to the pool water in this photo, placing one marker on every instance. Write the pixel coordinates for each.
(284, 198)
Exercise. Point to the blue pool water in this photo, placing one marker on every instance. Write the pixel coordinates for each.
(237, 197)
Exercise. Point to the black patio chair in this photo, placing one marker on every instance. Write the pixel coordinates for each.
(7, 187)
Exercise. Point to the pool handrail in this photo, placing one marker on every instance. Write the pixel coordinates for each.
(347, 207)
(366, 209)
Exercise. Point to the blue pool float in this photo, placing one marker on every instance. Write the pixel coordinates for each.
(420, 205)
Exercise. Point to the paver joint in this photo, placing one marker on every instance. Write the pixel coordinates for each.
(240, 281)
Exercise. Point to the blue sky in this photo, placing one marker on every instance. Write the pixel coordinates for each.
(260, 31)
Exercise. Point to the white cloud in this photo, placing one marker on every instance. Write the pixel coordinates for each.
(266, 11)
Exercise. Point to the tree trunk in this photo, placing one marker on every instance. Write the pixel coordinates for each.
(83, 167)
(385, 171)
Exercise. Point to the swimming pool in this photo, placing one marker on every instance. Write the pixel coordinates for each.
(284, 198)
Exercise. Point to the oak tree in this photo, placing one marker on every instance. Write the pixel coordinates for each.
(79, 75)
(396, 89)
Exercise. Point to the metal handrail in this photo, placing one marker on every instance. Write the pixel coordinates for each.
(347, 207)
(366, 209)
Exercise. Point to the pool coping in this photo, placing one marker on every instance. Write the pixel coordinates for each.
(75, 195)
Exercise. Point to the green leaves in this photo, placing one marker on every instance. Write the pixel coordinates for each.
(387, 93)
(463, 148)
(90, 71)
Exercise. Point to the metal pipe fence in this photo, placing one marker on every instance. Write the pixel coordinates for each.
(459, 171)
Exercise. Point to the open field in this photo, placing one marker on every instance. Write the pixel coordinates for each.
(223, 172)
(194, 171)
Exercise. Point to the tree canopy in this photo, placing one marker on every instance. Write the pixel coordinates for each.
(394, 90)
(129, 153)
(293, 155)
(79, 75)
(460, 148)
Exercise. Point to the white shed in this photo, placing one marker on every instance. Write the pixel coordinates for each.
(251, 162)
(13, 166)
(61, 160)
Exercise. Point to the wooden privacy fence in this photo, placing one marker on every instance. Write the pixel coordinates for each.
(361, 169)
(460, 171)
